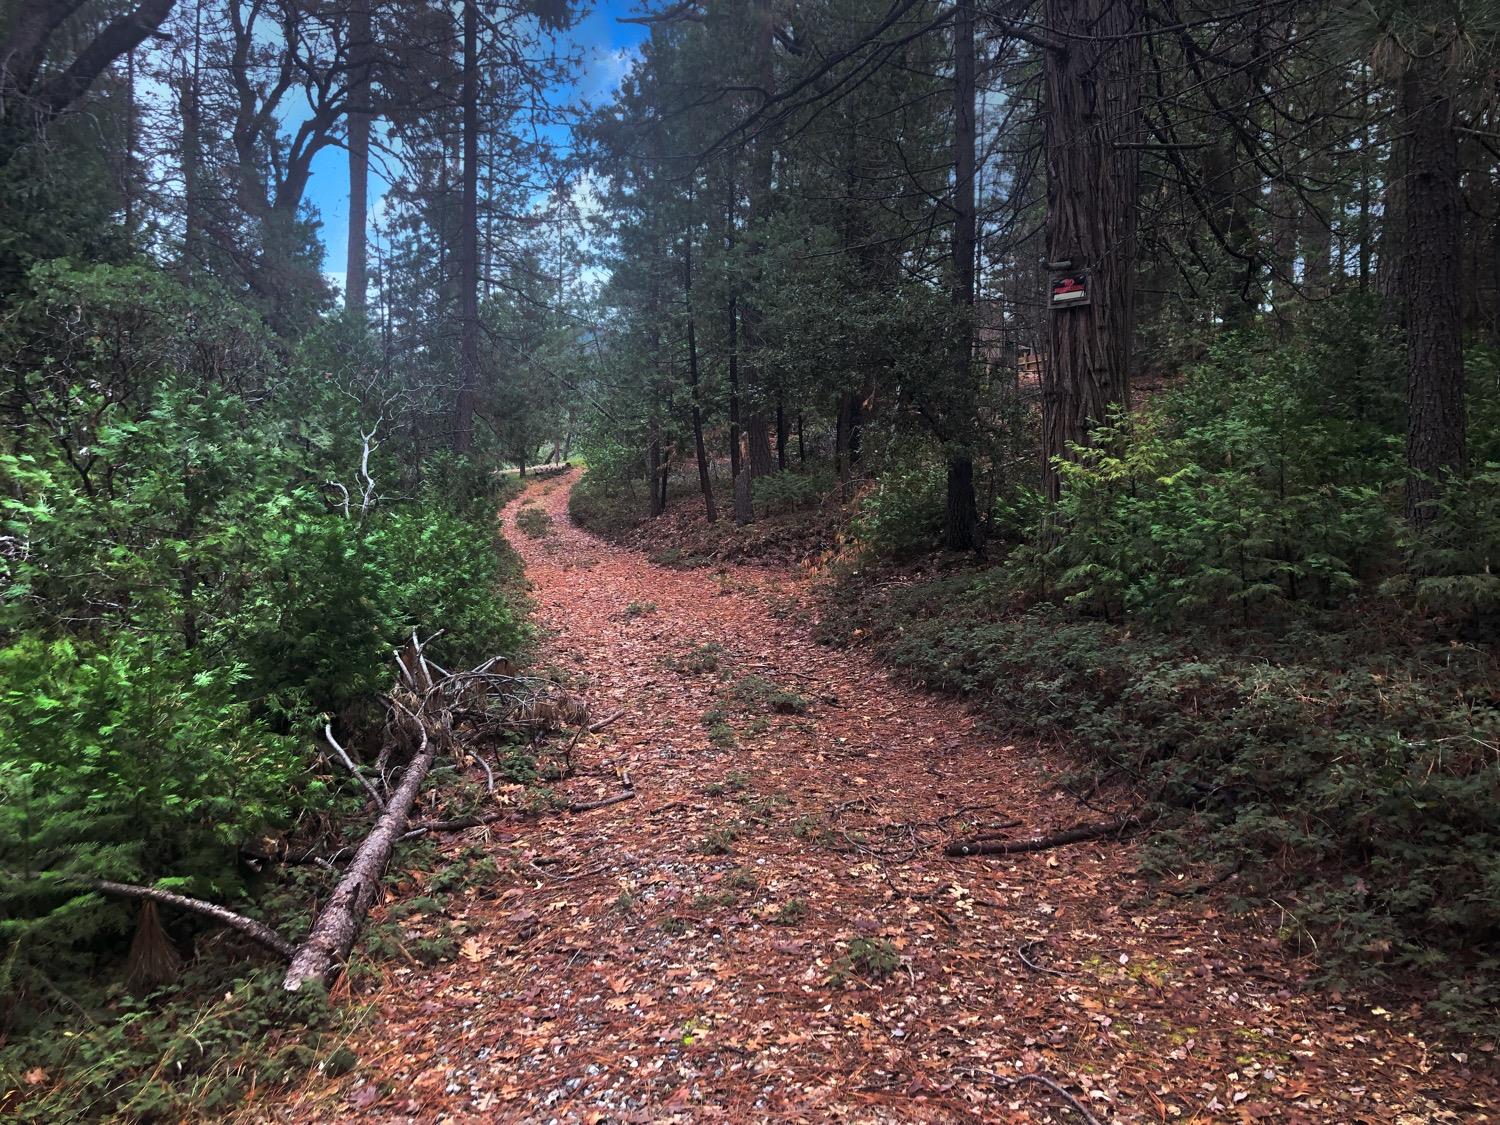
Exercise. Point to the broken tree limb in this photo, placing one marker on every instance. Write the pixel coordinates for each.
(595, 728)
(1075, 835)
(354, 769)
(258, 932)
(585, 806)
(333, 934)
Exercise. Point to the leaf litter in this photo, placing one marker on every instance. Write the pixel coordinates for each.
(771, 931)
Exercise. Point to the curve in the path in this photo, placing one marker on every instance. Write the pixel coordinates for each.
(770, 932)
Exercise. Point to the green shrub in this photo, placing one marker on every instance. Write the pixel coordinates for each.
(759, 693)
(902, 515)
(785, 492)
(1228, 495)
(441, 571)
(123, 761)
(1452, 564)
(1356, 785)
(865, 957)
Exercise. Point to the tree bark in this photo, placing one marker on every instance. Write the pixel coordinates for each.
(356, 285)
(734, 391)
(1435, 438)
(332, 935)
(468, 247)
(705, 483)
(1093, 107)
(781, 434)
(655, 507)
(757, 429)
(961, 514)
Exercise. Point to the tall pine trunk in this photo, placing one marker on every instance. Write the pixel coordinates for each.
(356, 286)
(1430, 279)
(1092, 106)
(705, 482)
(961, 519)
(468, 245)
(192, 152)
(757, 428)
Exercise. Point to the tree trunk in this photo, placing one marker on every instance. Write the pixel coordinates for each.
(961, 520)
(781, 434)
(192, 152)
(1284, 208)
(744, 510)
(705, 483)
(1093, 104)
(757, 429)
(356, 285)
(654, 505)
(332, 935)
(734, 391)
(468, 246)
(1430, 276)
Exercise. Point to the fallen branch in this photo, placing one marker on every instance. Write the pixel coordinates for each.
(333, 934)
(1043, 1080)
(257, 931)
(349, 762)
(1075, 835)
(586, 806)
(595, 728)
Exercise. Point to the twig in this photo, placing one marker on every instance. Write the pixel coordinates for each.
(348, 761)
(489, 774)
(1075, 835)
(1043, 1080)
(1032, 965)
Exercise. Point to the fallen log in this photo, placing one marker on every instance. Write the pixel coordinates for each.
(332, 935)
(1075, 835)
(258, 932)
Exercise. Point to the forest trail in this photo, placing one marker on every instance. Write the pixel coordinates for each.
(676, 957)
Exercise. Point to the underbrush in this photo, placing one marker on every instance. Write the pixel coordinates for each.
(226, 1034)
(1349, 770)
(193, 1053)
(1227, 612)
(210, 544)
(798, 517)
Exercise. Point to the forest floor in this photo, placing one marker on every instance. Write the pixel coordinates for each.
(769, 930)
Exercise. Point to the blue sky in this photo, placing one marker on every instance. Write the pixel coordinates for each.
(607, 46)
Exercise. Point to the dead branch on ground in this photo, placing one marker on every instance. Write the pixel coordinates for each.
(258, 932)
(1043, 1080)
(1075, 835)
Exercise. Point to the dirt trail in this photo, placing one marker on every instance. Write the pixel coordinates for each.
(678, 957)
